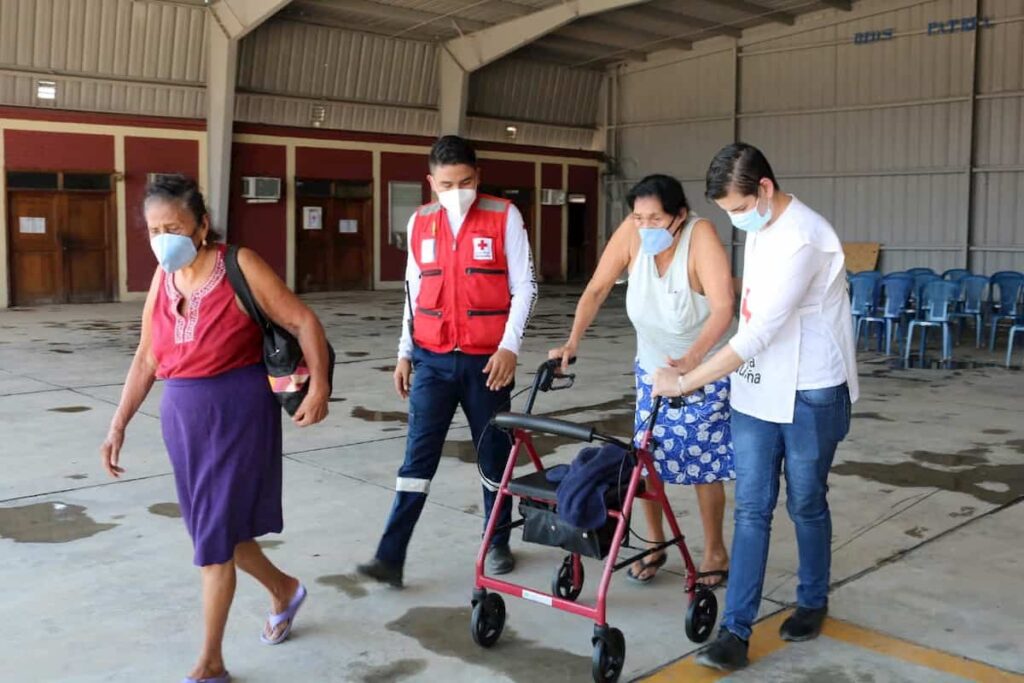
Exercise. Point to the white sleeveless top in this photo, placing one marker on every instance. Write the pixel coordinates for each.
(665, 311)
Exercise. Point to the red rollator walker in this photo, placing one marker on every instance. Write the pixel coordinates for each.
(541, 524)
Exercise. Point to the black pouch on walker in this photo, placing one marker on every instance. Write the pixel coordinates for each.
(543, 525)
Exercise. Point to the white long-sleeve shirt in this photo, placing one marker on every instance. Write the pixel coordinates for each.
(799, 282)
(522, 282)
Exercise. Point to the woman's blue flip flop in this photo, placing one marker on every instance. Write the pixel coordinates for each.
(275, 620)
(223, 678)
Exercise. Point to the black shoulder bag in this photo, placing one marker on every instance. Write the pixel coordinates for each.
(282, 355)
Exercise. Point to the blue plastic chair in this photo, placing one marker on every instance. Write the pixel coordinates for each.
(1015, 330)
(937, 300)
(920, 271)
(864, 293)
(972, 305)
(1007, 307)
(920, 281)
(895, 292)
(956, 274)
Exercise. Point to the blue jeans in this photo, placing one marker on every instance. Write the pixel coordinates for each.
(820, 421)
(441, 383)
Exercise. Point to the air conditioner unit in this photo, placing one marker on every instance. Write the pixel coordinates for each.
(261, 189)
(552, 197)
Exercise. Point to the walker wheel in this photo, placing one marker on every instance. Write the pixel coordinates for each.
(609, 656)
(488, 620)
(561, 584)
(701, 615)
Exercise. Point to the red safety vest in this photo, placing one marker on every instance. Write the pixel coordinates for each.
(464, 298)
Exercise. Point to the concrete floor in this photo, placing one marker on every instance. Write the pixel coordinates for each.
(97, 576)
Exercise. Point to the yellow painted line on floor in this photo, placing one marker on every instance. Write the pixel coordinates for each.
(766, 640)
(916, 654)
(763, 642)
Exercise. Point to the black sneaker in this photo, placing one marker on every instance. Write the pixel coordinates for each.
(500, 560)
(728, 653)
(803, 624)
(378, 570)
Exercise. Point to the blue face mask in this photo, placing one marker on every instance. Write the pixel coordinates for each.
(173, 252)
(653, 241)
(751, 221)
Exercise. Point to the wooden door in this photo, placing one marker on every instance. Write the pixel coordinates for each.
(352, 258)
(86, 238)
(61, 247)
(313, 247)
(36, 257)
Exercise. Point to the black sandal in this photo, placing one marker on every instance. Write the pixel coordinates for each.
(723, 575)
(644, 567)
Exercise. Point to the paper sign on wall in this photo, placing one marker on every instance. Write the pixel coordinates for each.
(348, 227)
(32, 226)
(312, 218)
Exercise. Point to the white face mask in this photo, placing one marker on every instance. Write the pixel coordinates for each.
(457, 202)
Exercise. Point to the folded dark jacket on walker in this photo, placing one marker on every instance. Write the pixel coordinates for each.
(581, 491)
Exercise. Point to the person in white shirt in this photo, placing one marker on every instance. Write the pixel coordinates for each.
(680, 300)
(794, 377)
(471, 291)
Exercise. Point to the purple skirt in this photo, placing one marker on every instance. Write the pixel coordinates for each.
(223, 435)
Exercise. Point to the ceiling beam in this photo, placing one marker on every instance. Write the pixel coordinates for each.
(665, 11)
(649, 41)
(238, 18)
(604, 34)
(339, 14)
(486, 45)
(588, 50)
(844, 5)
(759, 12)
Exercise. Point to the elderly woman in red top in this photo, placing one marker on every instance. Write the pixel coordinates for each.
(220, 421)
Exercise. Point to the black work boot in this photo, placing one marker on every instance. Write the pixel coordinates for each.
(728, 653)
(500, 560)
(378, 570)
(803, 624)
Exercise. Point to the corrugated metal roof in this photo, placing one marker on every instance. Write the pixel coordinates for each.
(532, 91)
(285, 57)
(117, 38)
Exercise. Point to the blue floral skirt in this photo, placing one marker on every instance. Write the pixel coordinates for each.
(693, 443)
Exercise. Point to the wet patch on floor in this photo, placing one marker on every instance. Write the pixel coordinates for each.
(996, 432)
(386, 673)
(963, 458)
(385, 368)
(916, 532)
(995, 484)
(77, 476)
(473, 509)
(351, 585)
(61, 351)
(48, 523)
(444, 631)
(872, 416)
(965, 511)
(357, 354)
(172, 510)
(68, 409)
(336, 400)
(367, 415)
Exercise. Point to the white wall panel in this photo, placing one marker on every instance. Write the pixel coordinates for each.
(691, 88)
(683, 149)
(793, 144)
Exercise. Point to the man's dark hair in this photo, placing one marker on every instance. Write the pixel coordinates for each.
(184, 190)
(738, 166)
(451, 150)
(667, 189)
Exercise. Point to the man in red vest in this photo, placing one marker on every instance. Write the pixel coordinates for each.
(471, 284)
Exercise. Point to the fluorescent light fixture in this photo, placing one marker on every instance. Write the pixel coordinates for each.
(46, 90)
(511, 132)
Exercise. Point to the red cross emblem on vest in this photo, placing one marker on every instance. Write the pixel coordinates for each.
(483, 249)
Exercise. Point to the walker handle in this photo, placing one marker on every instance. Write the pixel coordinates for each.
(548, 425)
